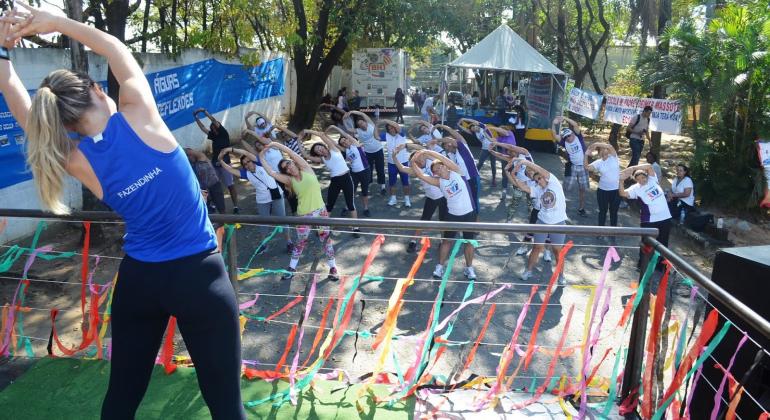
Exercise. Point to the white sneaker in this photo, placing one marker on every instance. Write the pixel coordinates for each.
(470, 274)
(547, 255)
(438, 272)
(407, 202)
(392, 201)
(526, 275)
(523, 249)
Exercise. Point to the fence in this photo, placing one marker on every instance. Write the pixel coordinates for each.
(652, 373)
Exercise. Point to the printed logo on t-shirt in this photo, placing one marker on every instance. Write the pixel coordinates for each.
(548, 199)
(653, 193)
(573, 147)
(452, 189)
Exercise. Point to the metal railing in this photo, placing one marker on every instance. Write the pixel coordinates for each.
(635, 357)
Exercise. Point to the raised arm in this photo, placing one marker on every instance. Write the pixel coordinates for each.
(287, 131)
(645, 167)
(554, 130)
(298, 160)
(573, 125)
(401, 168)
(452, 132)
(430, 154)
(499, 130)
(420, 174)
(342, 133)
(199, 122)
(14, 93)
(466, 121)
(136, 98)
(283, 179)
(226, 165)
(539, 169)
(512, 168)
(326, 139)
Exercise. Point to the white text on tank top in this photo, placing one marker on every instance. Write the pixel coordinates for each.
(575, 151)
(366, 137)
(336, 163)
(354, 156)
(455, 190)
(431, 191)
(393, 141)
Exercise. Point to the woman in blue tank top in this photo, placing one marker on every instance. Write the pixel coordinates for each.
(131, 161)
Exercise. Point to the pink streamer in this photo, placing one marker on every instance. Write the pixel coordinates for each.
(609, 258)
(482, 298)
(718, 395)
(249, 304)
(497, 387)
(295, 362)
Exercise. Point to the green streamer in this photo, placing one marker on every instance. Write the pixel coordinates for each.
(613, 383)
(706, 353)
(645, 279)
(229, 229)
(268, 238)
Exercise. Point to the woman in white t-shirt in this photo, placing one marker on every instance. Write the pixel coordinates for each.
(681, 198)
(654, 207)
(359, 165)
(459, 202)
(434, 198)
(367, 134)
(394, 138)
(427, 136)
(608, 168)
(268, 192)
(479, 131)
(330, 154)
(553, 209)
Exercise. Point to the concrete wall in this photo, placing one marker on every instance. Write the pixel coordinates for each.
(33, 65)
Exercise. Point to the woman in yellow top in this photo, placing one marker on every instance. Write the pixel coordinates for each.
(298, 174)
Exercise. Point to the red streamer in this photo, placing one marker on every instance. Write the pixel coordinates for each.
(652, 340)
(472, 353)
(288, 306)
(286, 349)
(167, 351)
(707, 330)
(319, 333)
(544, 305)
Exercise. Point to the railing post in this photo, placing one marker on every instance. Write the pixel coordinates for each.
(632, 373)
(232, 260)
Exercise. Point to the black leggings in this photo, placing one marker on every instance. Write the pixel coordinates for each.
(362, 178)
(377, 161)
(217, 198)
(608, 200)
(339, 183)
(197, 291)
(430, 207)
(664, 228)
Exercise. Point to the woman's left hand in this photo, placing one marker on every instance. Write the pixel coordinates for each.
(33, 21)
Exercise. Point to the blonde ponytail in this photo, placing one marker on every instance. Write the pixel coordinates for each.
(61, 100)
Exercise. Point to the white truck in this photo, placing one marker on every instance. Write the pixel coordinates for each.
(376, 74)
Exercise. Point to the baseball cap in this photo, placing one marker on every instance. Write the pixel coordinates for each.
(565, 132)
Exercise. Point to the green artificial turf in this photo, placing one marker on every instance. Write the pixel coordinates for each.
(73, 389)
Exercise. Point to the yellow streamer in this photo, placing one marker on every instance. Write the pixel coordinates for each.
(563, 406)
(251, 273)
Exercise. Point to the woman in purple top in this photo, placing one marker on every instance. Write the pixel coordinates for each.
(131, 161)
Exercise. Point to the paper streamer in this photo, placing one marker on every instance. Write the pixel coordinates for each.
(167, 350)
(249, 303)
(720, 390)
(651, 351)
(263, 244)
(472, 353)
(544, 306)
(708, 327)
(474, 301)
(295, 362)
(319, 333)
(589, 342)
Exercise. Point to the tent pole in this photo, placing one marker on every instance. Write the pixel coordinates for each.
(444, 96)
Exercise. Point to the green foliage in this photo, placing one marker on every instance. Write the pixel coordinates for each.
(725, 69)
(626, 82)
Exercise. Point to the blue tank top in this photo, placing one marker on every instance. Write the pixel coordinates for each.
(156, 193)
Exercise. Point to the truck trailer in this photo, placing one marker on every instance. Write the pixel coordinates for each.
(376, 74)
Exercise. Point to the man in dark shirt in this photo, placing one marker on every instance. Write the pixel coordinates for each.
(220, 139)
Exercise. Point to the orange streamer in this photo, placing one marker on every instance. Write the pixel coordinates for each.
(318, 333)
(472, 353)
(167, 351)
(652, 340)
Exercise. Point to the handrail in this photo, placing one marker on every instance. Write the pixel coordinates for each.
(360, 223)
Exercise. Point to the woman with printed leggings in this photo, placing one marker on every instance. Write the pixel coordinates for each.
(130, 160)
(330, 155)
(296, 172)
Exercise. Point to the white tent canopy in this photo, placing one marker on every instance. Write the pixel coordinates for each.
(504, 50)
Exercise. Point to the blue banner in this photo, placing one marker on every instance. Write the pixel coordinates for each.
(207, 84)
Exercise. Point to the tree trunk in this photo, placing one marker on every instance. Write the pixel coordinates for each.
(115, 16)
(614, 135)
(659, 91)
(78, 57)
(145, 23)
